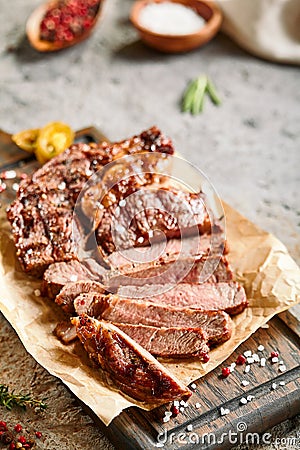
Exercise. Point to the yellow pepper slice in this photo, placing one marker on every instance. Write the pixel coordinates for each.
(26, 139)
(52, 140)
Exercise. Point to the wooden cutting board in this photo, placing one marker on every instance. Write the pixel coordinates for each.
(201, 421)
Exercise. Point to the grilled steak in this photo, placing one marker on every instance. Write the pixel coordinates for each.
(217, 324)
(65, 331)
(140, 216)
(41, 217)
(70, 291)
(229, 297)
(144, 257)
(61, 273)
(132, 369)
(169, 342)
(187, 270)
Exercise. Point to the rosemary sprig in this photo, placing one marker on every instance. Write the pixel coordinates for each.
(193, 97)
(10, 399)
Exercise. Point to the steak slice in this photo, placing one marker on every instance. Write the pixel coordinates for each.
(149, 213)
(133, 370)
(144, 257)
(41, 216)
(169, 342)
(217, 324)
(229, 297)
(65, 331)
(212, 269)
(61, 273)
(70, 291)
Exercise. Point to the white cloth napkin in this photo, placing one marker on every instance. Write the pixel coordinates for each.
(269, 29)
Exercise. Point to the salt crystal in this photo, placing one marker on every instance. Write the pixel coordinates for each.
(247, 369)
(274, 386)
(224, 411)
(256, 357)
(282, 368)
(245, 383)
(73, 278)
(176, 403)
(193, 386)
(232, 365)
(198, 405)
(150, 233)
(275, 359)
(166, 419)
(250, 360)
(260, 348)
(9, 175)
(263, 362)
(265, 327)
(170, 18)
(15, 187)
(243, 401)
(168, 413)
(122, 203)
(282, 383)
(248, 353)
(140, 240)
(181, 409)
(281, 362)
(182, 402)
(189, 427)
(61, 186)
(37, 292)
(250, 398)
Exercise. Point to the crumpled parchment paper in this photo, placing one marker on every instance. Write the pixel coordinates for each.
(261, 263)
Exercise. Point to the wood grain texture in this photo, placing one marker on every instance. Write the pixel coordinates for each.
(137, 429)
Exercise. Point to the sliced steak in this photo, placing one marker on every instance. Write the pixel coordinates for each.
(144, 257)
(186, 270)
(70, 291)
(169, 342)
(41, 216)
(217, 324)
(131, 368)
(66, 332)
(148, 214)
(61, 273)
(229, 297)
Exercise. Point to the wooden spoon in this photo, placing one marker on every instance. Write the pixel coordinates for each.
(33, 30)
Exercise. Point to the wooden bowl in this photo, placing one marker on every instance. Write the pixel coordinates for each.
(33, 30)
(170, 43)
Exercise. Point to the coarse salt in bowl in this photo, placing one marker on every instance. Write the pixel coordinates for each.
(176, 25)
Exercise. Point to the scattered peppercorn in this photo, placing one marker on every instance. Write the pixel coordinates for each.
(225, 372)
(241, 360)
(18, 428)
(274, 355)
(175, 410)
(3, 425)
(22, 439)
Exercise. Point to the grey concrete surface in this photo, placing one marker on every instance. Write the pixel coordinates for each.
(249, 147)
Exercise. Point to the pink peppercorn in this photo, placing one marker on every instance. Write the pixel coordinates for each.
(175, 410)
(18, 428)
(240, 360)
(38, 434)
(225, 372)
(22, 439)
(274, 355)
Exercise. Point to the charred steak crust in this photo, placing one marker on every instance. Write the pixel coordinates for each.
(132, 369)
(168, 210)
(41, 216)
